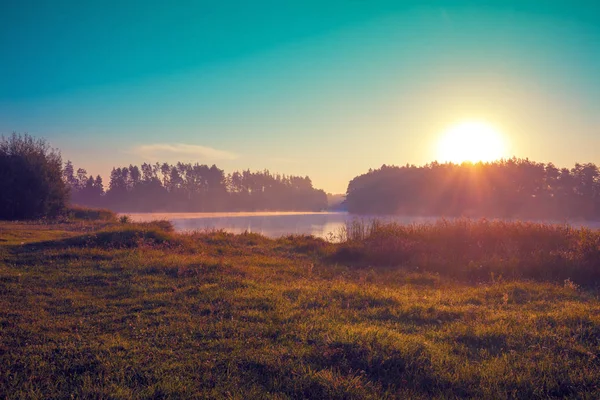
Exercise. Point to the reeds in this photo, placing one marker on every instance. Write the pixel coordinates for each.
(477, 249)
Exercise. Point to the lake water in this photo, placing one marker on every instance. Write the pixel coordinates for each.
(272, 224)
(275, 224)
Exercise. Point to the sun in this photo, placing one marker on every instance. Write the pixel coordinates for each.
(471, 141)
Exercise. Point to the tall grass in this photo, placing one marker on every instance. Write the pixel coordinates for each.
(477, 250)
(90, 214)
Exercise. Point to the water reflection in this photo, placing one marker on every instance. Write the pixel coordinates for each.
(326, 225)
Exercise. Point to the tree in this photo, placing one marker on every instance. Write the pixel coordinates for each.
(69, 175)
(98, 185)
(31, 179)
(81, 179)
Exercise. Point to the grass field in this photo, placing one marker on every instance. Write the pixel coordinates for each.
(101, 309)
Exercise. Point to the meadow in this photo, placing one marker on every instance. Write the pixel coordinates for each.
(92, 307)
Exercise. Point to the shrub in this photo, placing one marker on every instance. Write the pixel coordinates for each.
(161, 224)
(91, 214)
(31, 184)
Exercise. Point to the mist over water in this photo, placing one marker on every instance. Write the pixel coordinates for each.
(327, 225)
(271, 224)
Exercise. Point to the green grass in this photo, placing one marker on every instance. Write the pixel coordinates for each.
(137, 311)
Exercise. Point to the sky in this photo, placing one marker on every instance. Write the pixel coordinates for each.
(325, 88)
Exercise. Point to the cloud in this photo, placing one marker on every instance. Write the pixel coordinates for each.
(284, 160)
(170, 150)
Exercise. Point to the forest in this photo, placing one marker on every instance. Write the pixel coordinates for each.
(513, 188)
(186, 187)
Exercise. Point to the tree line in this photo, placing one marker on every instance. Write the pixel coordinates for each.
(34, 183)
(514, 188)
(187, 187)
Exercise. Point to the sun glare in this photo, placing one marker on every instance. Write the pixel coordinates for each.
(471, 141)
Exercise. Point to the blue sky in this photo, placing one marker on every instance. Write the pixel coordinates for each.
(327, 89)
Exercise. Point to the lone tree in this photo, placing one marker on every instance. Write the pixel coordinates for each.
(31, 184)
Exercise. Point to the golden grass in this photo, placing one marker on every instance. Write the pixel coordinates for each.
(135, 311)
(478, 250)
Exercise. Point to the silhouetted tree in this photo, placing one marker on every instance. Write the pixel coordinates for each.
(81, 179)
(69, 175)
(31, 179)
(99, 186)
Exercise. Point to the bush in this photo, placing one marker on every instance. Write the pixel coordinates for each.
(31, 184)
(91, 214)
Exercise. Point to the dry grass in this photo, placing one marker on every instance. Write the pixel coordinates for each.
(135, 311)
(478, 251)
(90, 214)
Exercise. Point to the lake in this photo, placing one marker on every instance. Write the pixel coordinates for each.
(272, 224)
(275, 224)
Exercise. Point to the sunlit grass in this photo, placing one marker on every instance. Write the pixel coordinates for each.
(137, 311)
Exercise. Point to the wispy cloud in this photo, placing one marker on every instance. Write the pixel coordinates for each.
(284, 160)
(168, 150)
